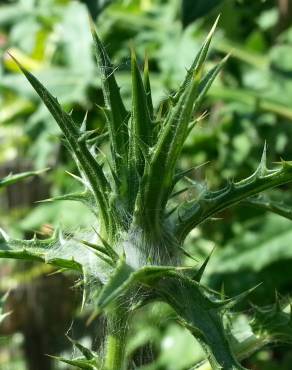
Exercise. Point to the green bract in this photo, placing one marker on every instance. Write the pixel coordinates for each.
(135, 255)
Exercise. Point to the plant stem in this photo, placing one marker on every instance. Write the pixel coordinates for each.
(117, 329)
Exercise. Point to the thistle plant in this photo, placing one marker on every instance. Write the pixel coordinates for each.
(134, 253)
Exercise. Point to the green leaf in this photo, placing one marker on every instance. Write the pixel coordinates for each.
(157, 181)
(265, 326)
(87, 353)
(140, 133)
(118, 116)
(89, 165)
(116, 285)
(141, 124)
(210, 203)
(201, 316)
(86, 197)
(158, 176)
(273, 323)
(279, 207)
(124, 278)
(12, 179)
(35, 250)
(80, 362)
(108, 255)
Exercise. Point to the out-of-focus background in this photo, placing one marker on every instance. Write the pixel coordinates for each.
(250, 104)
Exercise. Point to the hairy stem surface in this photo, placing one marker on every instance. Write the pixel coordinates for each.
(117, 330)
